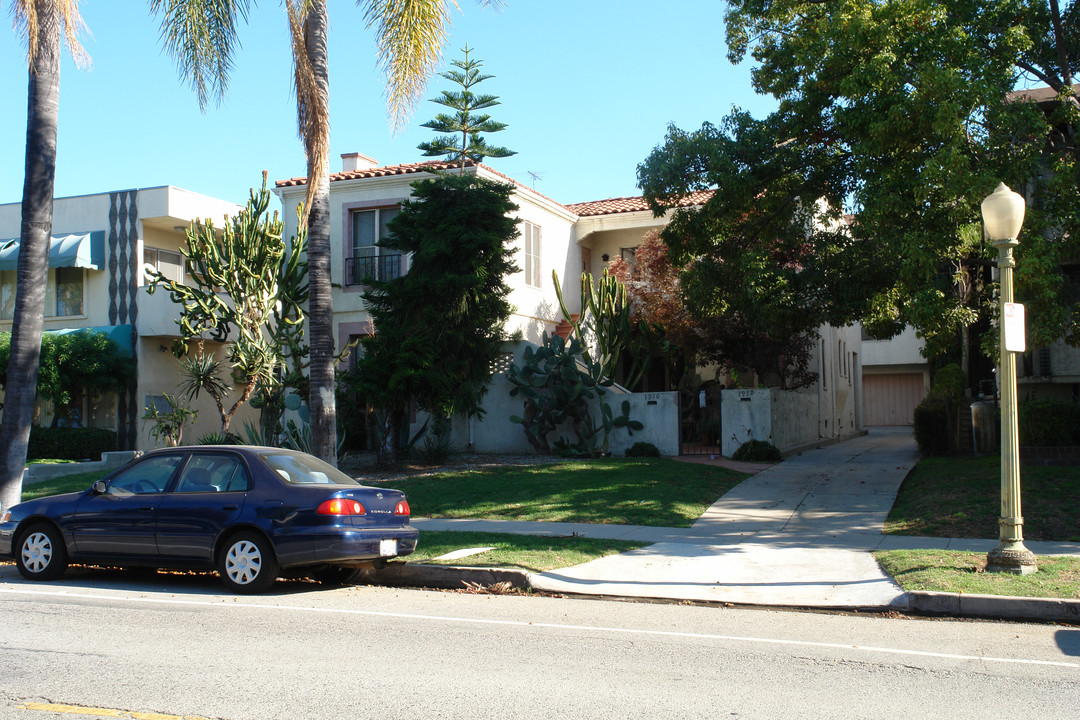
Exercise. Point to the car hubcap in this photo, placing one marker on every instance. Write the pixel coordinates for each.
(243, 562)
(37, 551)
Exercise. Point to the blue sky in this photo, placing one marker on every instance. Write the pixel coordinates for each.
(587, 88)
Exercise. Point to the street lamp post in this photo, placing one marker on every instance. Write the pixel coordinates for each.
(1003, 214)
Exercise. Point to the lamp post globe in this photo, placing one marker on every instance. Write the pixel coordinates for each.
(1003, 216)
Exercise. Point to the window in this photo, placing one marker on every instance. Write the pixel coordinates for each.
(368, 260)
(167, 262)
(146, 478)
(213, 473)
(531, 238)
(305, 470)
(628, 256)
(63, 293)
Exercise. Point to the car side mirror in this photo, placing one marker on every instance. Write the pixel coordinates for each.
(99, 487)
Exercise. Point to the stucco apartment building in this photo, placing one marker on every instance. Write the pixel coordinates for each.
(568, 239)
(99, 247)
(102, 243)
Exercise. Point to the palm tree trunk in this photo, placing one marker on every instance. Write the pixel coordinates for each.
(37, 212)
(321, 308)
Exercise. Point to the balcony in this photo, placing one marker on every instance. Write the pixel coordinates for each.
(358, 270)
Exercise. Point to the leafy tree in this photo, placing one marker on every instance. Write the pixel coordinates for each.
(409, 34)
(73, 365)
(44, 25)
(247, 283)
(463, 140)
(899, 113)
(439, 327)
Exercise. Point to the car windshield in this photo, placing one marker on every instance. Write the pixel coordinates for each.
(298, 469)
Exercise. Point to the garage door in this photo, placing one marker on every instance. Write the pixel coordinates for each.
(891, 399)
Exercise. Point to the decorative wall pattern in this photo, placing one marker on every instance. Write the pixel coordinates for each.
(123, 238)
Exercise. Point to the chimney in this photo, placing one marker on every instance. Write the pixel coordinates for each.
(353, 162)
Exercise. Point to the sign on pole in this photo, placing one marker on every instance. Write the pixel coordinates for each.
(1013, 327)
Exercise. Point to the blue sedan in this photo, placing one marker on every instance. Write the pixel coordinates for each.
(248, 512)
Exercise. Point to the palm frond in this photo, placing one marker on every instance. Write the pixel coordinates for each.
(201, 36)
(30, 22)
(312, 109)
(410, 35)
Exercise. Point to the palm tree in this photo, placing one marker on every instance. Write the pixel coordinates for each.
(44, 25)
(410, 35)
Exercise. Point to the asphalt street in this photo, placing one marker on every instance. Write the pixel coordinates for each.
(106, 644)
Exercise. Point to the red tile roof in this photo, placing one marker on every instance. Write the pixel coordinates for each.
(613, 206)
(378, 172)
(406, 169)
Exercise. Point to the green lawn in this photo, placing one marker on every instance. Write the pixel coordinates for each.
(961, 496)
(963, 572)
(67, 483)
(629, 491)
(525, 552)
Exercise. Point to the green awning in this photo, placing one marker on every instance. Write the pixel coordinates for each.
(122, 335)
(85, 250)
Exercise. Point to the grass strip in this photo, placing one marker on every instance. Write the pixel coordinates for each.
(63, 484)
(631, 491)
(534, 553)
(965, 572)
(961, 497)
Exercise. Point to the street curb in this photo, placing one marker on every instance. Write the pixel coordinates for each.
(449, 577)
(994, 606)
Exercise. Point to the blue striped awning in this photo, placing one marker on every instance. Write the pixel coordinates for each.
(85, 250)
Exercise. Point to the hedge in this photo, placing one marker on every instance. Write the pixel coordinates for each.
(69, 443)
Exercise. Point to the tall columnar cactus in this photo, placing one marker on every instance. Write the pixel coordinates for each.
(605, 322)
(246, 288)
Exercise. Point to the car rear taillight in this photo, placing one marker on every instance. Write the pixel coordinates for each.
(341, 506)
(402, 508)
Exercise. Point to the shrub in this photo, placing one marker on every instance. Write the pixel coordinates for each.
(642, 449)
(69, 443)
(932, 427)
(1049, 423)
(757, 451)
(936, 416)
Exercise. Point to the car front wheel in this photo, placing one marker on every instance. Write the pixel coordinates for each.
(247, 563)
(41, 553)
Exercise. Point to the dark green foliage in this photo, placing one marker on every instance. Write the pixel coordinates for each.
(74, 363)
(463, 140)
(439, 327)
(896, 114)
(70, 443)
(1049, 423)
(642, 449)
(935, 420)
(558, 383)
(757, 451)
(218, 438)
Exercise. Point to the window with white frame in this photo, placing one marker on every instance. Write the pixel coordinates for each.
(530, 235)
(63, 293)
(167, 262)
(368, 260)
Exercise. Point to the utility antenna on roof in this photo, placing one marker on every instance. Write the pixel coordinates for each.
(535, 176)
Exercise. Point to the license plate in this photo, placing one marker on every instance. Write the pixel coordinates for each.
(388, 548)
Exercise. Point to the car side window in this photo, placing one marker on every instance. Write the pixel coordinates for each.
(145, 478)
(213, 473)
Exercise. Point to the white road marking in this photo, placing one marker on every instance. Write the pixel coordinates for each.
(237, 603)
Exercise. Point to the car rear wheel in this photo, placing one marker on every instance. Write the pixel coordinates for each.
(41, 554)
(247, 563)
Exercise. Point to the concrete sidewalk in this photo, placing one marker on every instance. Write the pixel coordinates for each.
(798, 533)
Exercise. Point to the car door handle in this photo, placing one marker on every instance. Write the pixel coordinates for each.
(148, 508)
(229, 507)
